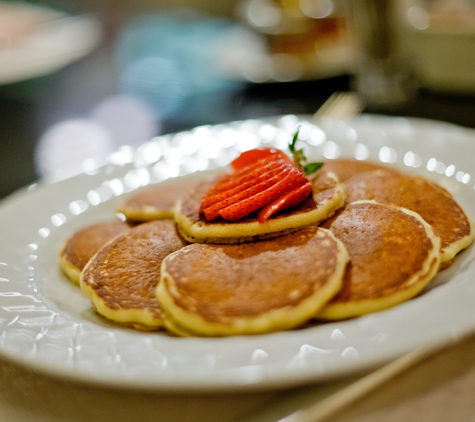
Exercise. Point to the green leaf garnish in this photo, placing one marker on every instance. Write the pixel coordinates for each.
(294, 141)
(312, 168)
(299, 157)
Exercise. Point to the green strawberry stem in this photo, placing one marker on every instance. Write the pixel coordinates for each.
(299, 157)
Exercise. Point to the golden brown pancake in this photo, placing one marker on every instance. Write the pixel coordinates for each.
(393, 253)
(434, 204)
(155, 203)
(327, 198)
(344, 169)
(121, 279)
(252, 288)
(83, 245)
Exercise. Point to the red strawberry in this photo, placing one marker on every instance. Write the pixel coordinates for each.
(289, 200)
(253, 155)
(257, 172)
(255, 165)
(294, 179)
(265, 179)
(223, 191)
(213, 211)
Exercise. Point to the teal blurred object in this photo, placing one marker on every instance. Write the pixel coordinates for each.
(158, 81)
(169, 61)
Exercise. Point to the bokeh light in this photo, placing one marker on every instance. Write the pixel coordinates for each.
(129, 120)
(317, 9)
(263, 14)
(67, 146)
(418, 17)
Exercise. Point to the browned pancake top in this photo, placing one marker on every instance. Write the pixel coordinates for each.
(126, 272)
(84, 244)
(156, 197)
(223, 281)
(162, 196)
(435, 205)
(323, 188)
(344, 169)
(386, 247)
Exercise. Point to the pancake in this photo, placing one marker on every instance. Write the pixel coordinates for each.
(327, 198)
(433, 203)
(344, 169)
(83, 245)
(253, 288)
(156, 202)
(393, 253)
(121, 279)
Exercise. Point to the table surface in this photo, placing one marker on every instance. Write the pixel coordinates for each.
(439, 389)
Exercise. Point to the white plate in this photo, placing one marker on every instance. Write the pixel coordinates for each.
(59, 41)
(47, 324)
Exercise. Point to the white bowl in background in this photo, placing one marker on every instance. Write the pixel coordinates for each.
(440, 37)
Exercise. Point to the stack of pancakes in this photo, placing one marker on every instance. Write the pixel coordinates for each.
(367, 239)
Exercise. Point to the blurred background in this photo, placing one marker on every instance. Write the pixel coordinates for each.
(80, 79)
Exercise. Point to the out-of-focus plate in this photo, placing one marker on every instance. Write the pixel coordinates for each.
(54, 42)
(243, 55)
(440, 38)
(47, 324)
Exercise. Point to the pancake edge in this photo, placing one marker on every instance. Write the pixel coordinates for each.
(72, 271)
(147, 213)
(69, 269)
(174, 328)
(454, 248)
(141, 319)
(448, 253)
(135, 317)
(246, 232)
(419, 280)
(186, 323)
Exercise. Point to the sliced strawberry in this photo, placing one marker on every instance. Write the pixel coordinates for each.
(255, 165)
(264, 179)
(253, 155)
(252, 175)
(212, 212)
(222, 191)
(293, 180)
(289, 200)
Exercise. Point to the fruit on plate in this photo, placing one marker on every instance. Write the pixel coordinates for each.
(265, 180)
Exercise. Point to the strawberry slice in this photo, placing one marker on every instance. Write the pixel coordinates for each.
(294, 179)
(289, 200)
(223, 191)
(253, 155)
(213, 198)
(246, 170)
(251, 175)
(212, 212)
